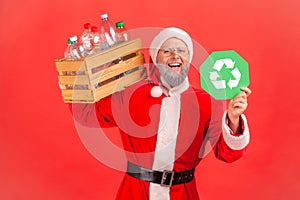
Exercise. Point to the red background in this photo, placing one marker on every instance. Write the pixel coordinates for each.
(41, 155)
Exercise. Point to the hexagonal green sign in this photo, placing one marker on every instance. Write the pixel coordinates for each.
(223, 73)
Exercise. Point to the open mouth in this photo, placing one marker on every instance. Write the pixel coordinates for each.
(175, 66)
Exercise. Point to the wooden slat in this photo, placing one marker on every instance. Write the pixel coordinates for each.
(75, 65)
(120, 84)
(77, 95)
(117, 69)
(112, 53)
(79, 80)
(77, 101)
(131, 79)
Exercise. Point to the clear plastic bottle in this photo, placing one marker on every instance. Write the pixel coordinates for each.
(86, 37)
(67, 55)
(99, 42)
(122, 34)
(83, 51)
(74, 48)
(107, 28)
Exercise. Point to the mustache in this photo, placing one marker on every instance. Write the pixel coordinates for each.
(171, 77)
(174, 61)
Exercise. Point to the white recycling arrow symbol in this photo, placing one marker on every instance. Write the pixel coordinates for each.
(237, 75)
(221, 84)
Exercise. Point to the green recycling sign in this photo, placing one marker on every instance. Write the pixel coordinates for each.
(223, 73)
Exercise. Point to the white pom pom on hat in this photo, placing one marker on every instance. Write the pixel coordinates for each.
(156, 91)
(164, 35)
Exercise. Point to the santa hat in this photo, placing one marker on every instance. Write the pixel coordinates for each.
(164, 35)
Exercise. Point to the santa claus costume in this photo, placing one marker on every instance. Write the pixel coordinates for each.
(165, 132)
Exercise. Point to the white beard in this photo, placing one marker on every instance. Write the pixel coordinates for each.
(172, 77)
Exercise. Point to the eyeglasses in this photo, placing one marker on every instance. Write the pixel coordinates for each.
(169, 51)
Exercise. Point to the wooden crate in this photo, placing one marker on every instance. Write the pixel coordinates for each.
(97, 76)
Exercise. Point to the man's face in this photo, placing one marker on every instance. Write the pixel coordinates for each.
(173, 61)
(173, 54)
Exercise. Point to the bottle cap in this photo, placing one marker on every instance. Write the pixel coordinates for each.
(94, 29)
(120, 24)
(74, 38)
(87, 25)
(104, 16)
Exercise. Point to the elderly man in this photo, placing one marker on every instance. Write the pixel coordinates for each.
(167, 126)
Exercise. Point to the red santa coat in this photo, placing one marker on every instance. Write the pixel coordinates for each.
(169, 132)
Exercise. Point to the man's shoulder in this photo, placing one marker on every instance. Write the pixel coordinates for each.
(198, 92)
(143, 86)
(141, 89)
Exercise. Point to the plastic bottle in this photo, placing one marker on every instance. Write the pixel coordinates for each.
(107, 28)
(99, 42)
(121, 32)
(82, 50)
(67, 54)
(86, 37)
(74, 48)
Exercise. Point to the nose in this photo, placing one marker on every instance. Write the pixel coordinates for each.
(175, 54)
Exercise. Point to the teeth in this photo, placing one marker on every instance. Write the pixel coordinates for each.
(174, 64)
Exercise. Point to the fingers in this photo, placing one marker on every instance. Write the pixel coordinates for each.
(246, 90)
(239, 104)
(242, 97)
(235, 109)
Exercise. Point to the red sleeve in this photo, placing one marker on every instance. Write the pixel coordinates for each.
(235, 147)
(225, 153)
(93, 114)
(227, 145)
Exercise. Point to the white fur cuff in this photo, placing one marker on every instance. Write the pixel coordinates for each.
(235, 142)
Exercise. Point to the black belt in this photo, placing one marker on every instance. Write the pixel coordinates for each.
(164, 178)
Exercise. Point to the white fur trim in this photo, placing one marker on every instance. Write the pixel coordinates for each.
(165, 144)
(164, 35)
(158, 192)
(235, 142)
(166, 139)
